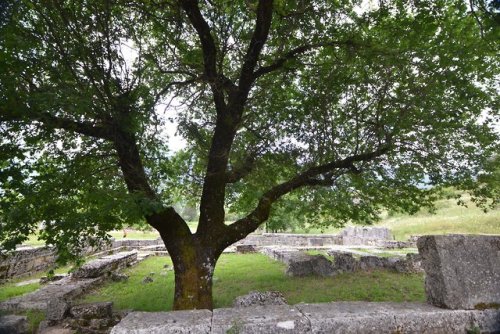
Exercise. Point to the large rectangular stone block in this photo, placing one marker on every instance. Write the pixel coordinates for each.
(178, 322)
(462, 271)
(276, 319)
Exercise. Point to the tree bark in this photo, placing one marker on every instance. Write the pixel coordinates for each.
(194, 268)
(194, 260)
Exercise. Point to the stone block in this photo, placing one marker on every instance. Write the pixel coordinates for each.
(105, 265)
(255, 298)
(306, 265)
(57, 309)
(371, 318)
(372, 262)
(276, 319)
(13, 324)
(178, 322)
(462, 271)
(92, 310)
(243, 249)
(344, 262)
(487, 321)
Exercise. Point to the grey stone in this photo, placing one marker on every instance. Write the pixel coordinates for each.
(147, 279)
(57, 329)
(13, 324)
(290, 239)
(259, 319)
(105, 265)
(462, 271)
(345, 262)
(303, 264)
(92, 310)
(67, 289)
(57, 309)
(100, 323)
(412, 263)
(487, 321)
(394, 244)
(365, 317)
(117, 277)
(357, 235)
(372, 262)
(179, 322)
(255, 298)
(48, 279)
(43, 325)
(243, 249)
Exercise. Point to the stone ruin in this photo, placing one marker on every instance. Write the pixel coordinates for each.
(55, 298)
(463, 281)
(462, 286)
(299, 263)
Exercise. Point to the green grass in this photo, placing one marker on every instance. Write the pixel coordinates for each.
(236, 275)
(9, 290)
(449, 218)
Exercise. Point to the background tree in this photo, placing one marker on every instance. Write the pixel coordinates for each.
(352, 108)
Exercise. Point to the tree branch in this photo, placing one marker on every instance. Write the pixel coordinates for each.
(54, 122)
(248, 224)
(259, 37)
(209, 50)
(292, 54)
(241, 171)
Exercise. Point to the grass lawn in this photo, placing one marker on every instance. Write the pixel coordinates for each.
(237, 274)
(449, 218)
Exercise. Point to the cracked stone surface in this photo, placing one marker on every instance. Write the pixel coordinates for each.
(179, 322)
(337, 317)
(105, 265)
(66, 289)
(13, 324)
(462, 271)
(259, 319)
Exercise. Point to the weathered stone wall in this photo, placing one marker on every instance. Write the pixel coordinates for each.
(302, 264)
(361, 235)
(137, 243)
(26, 260)
(462, 271)
(293, 240)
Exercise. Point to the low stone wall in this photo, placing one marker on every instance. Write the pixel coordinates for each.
(137, 243)
(26, 260)
(302, 264)
(29, 260)
(362, 235)
(338, 317)
(292, 240)
(107, 264)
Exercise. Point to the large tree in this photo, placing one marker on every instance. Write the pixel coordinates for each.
(353, 106)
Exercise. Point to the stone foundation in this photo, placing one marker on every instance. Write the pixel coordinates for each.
(25, 261)
(292, 240)
(339, 317)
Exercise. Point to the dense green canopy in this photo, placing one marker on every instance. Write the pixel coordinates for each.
(348, 106)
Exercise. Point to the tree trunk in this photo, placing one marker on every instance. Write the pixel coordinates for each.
(194, 259)
(194, 265)
(193, 283)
